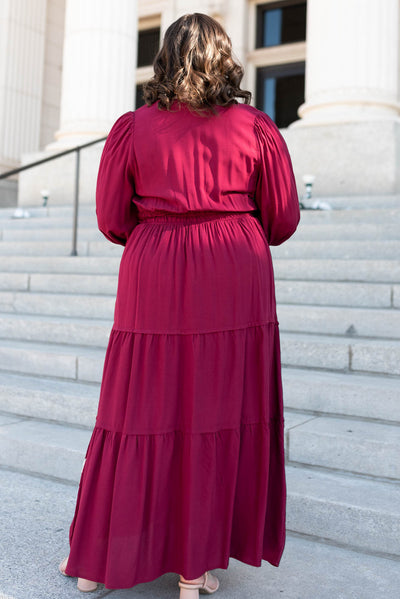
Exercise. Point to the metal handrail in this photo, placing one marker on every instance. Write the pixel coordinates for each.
(76, 149)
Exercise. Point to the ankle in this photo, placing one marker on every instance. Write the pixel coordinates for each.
(193, 580)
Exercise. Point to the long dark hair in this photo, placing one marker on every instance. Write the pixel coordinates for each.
(195, 66)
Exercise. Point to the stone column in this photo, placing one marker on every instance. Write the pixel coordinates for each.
(348, 134)
(352, 61)
(98, 82)
(98, 85)
(22, 39)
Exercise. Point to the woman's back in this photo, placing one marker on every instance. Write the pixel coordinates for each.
(193, 162)
(179, 161)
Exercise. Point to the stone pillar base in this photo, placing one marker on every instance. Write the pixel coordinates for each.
(359, 158)
(58, 177)
(8, 193)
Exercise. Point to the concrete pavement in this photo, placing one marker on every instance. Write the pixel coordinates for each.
(35, 515)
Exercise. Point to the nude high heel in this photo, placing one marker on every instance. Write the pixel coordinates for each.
(85, 586)
(191, 590)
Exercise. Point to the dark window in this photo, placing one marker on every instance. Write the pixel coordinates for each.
(281, 23)
(139, 96)
(148, 45)
(280, 91)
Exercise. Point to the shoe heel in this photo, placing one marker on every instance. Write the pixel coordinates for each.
(189, 593)
(84, 586)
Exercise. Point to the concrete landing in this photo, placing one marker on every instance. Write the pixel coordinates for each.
(35, 514)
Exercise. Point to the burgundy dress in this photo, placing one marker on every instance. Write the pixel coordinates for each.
(185, 466)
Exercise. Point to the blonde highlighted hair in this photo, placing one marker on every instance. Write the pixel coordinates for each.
(195, 66)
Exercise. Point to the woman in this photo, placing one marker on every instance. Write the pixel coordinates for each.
(185, 466)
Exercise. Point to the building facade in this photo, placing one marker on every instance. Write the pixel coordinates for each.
(326, 71)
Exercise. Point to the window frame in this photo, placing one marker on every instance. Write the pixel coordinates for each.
(143, 74)
(264, 6)
(268, 56)
(277, 71)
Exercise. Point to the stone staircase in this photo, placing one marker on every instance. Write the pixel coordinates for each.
(338, 291)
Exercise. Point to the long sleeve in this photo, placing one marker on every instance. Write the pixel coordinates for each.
(276, 194)
(116, 213)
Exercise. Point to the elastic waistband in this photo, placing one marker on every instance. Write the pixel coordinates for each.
(184, 218)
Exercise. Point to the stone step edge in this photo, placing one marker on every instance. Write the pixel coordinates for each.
(66, 265)
(19, 383)
(353, 548)
(307, 306)
(351, 341)
(306, 336)
(25, 279)
(347, 343)
(288, 463)
(338, 471)
(288, 371)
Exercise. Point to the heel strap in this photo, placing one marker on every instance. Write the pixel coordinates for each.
(194, 585)
(189, 587)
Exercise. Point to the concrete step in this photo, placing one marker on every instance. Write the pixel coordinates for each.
(341, 508)
(341, 354)
(330, 293)
(46, 222)
(372, 295)
(103, 285)
(60, 248)
(50, 234)
(347, 444)
(60, 229)
(34, 212)
(42, 448)
(58, 304)
(346, 231)
(347, 510)
(50, 211)
(363, 250)
(358, 202)
(14, 281)
(344, 250)
(55, 329)
(324, 269)
(356, 215)
(49, 399)
(334, 443)
(331, 328)
(48, 359)
(60, 264)
(363, 396)
(373, 271)
(85, 363)
(42, 248)
(306, 392)
(328, 320)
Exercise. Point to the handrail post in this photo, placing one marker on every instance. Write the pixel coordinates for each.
(74, 251)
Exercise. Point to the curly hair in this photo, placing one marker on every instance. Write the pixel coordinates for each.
(195, 66)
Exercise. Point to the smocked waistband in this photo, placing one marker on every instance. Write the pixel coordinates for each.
(190, 217)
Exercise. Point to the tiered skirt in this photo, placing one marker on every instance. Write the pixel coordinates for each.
(185, 466)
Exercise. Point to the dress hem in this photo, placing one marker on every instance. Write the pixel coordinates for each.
(145, 580)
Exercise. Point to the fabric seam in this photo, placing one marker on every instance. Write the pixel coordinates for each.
(267, 424)
(145, 332)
